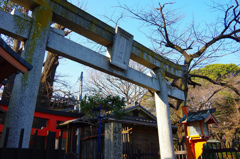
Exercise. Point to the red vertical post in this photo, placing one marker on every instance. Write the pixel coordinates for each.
(52, 124)
(201, 126)
(185, 111)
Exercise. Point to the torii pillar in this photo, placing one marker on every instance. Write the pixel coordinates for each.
(24, 95)
(163, 118)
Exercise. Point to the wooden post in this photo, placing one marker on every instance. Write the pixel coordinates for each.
(74, 139)
(20, 144)
(50, 145)
(188, 144)
(34, 145)
(60, 151)
(68, 139)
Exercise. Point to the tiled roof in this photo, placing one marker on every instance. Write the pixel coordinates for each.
(136, 106)
(199, 115)
(14, 54)
(11, 63)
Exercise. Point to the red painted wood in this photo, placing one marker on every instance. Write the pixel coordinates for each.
(51, 123)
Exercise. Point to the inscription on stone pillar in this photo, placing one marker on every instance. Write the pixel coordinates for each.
(117, 141)
(113, 141)
(119, 53)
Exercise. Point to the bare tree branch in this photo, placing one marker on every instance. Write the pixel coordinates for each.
(215, 92)
(217, 83)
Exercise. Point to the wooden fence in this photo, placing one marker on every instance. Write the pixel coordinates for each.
(89, 147)
(33, 153)
(129, 152)
(153, 153)
(180, 151)
(229, 150)
(126, 140)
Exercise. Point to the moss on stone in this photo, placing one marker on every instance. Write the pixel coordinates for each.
(20, 24)
(40, 23)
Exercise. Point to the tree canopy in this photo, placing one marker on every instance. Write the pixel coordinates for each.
(113, 104)
(191, 47)
(110, 85)
(215, 71)
(226, 102)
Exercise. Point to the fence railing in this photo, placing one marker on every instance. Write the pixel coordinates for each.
(180, 151)
(230, 150)
(33, 153)
(153, 153)
(89, 147)
(145, 154)
(127, 146)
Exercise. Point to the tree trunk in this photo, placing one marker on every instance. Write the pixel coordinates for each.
(46, 83)
(47, 78)
(181, 84)
(180, 133)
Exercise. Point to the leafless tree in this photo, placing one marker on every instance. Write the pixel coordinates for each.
(50, 65)
(193, 46)
(228, 108)
(224, 100)
(110, 85)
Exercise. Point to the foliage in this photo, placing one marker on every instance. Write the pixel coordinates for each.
(226, 102)
(193, 46)
(114, 104)
(228, 114)
(216, 71)
(110, 85)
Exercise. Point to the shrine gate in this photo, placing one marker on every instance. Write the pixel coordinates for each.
(38, 36)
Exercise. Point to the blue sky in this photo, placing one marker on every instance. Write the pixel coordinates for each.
(199, 10)
(189, 8)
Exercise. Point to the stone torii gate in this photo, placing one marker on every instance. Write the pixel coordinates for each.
(39, 37)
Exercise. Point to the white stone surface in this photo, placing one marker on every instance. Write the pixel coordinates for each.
(119, 53)
(163, 119)
(150, 59)
(100, 32)
(17, 26)
(175, 93)
(18, 13)
(24, 95)
(113, 141)
(58, 31)
(81, 54)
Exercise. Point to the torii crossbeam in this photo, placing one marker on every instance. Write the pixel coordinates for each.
(39, 37)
